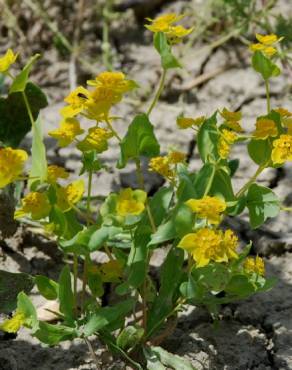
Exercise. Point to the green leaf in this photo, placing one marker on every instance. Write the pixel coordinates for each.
(165, 232)
(262, 203)
(183, 220)
(240, 286)
(66, 297)
(10, 285)
(21, 80)
(25, 305)
(203, 178)
(130, 337)
(14, 119)
(47, 287)
(54, 334)
(186, 188)
(39, 167)
(259, 151)
(222, 186)
(208, 137)
(170, 280)
(173, 361)
(101, 236)
(161, 44)
(153, 360)
(233, 165)
(139, 140)
(107, 315)
(264, 66)
(95, 284)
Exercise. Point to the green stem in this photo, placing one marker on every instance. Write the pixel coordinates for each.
(75, 275)
(158, 93)
(210, 182)
(106, 55)
(286, 209)
(267, 85)
(113, 131)
(29, 112)
(92, 353)
(88, 211)
(251, 180)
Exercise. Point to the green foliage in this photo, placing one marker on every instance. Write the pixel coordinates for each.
(65, 294)
(14, 119)
(10, 285)
(264, 66)
(262, 203)
(47, 287)
(207, 138)
(161, 44)
(139, 140)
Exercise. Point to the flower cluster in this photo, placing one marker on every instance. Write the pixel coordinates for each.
(165, 24)
(265, 128)
(208, 245)
(209, 208)
(266, 44)
(188, 122)
(166, 165)
(131, 202)
(7, 60)
(11, 165)
(256, 265)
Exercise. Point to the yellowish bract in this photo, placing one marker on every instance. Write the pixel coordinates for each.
(208, 245)
(176, 157)
(77, 100)
(131, 202)
(161, 165)
(7, 60)
(256, 265)
(187, 122)
(282, 150)
(96, 139)
(35, 204)
(68, 130)
(208, 207)
(11, 165)
(55, 173)
(265, 128)
(14, 324)
(68, 196)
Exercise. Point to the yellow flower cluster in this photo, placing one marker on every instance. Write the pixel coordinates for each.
(286, 118)
(35, 204)
(69, 129)
(7, 60)
(109, 88)
(14, 324)
(266, 44)
(208, 207)
(131, 202)
(232, 119)
(227, 138)
(282, 149)
(256, 265)
(165, 165)
(187, 122)
(55, 173)
(165, 24)
(265, 128)
(96, 139)
(11, 165)
(208, 245)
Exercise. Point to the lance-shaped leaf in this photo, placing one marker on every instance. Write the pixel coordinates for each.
(264, 66)
(208, 137)
(20, 81)
(161, 44)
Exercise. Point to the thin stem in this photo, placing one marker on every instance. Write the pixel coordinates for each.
(88, 211)
(210, 182)
(92, 353)
(29, 112)
(251, 180)
(113, 131)
(106, 55)
(267, 85)
(286, 209)
(75, 275)
(158, 93)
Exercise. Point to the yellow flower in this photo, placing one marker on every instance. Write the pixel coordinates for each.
(186, 122)
(267, 39)
(77, 100)
(70, 195)
(208, 245)
(161, 165)
(114, 81)
(287, 122)
(11, 165)
(55, 173)
(131, 202)
(97, 139)
(165, 23)
(227, 138)
(35, 204)
(282, 150)
(265, 128)
(14, 324)
(208, 207)
(7, 60)
(256, 265)
(231, 116)
(69, 129)
(176, 157)
(283, 112)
